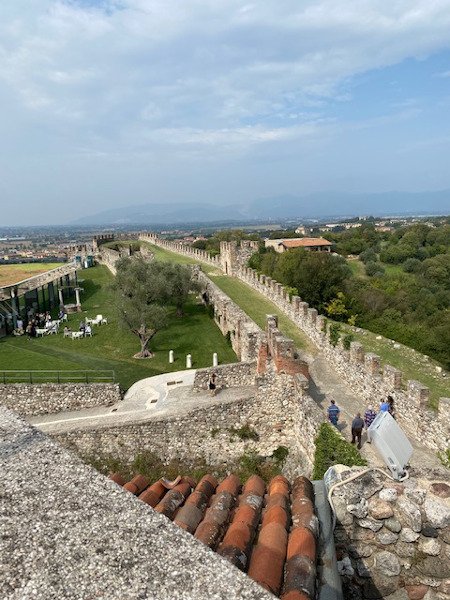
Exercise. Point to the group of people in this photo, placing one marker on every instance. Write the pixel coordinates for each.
(84, 328)
(42, 320)
(359, 422)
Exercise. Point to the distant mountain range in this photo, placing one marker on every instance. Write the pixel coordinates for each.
(316, 205)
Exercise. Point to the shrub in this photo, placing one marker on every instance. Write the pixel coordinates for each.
(246, 432)
(280, 455)
(368, 255)
(332, 449)
(444, 457)
(347, 340)
(374, 269)
(411, 265)
(335, 330)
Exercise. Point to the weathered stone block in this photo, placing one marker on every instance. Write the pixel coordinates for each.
(393, 377)
(372, 363)
(356, 352)
(418, 393)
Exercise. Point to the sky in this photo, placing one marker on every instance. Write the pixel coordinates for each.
(109, 103)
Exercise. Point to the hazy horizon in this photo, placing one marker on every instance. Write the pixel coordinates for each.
(110, 104)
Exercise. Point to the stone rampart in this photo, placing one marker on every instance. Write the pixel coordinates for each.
(109, 257)
(362, 371)
(194, 253)
(29, 400)
(245, 336)
(392, 539)
(271, 410)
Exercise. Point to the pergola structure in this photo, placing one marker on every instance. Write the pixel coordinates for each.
(38, 293)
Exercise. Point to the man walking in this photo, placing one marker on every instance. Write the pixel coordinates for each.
(357, 427)
(333, 413)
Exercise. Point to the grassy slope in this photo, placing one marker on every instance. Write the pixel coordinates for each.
(413, 364)
(252, 302)
(112, 347)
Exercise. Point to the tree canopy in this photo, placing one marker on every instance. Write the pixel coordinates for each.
(145, 290)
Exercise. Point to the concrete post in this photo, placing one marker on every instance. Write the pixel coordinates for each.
(60, 295)
(171, 356)
(78, 302)
(188, 361)
(215, 360)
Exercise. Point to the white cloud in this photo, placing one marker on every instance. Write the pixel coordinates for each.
(141, 78)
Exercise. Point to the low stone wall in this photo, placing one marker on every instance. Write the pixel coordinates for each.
(271, 410)
(308, 417)
(232, 375)
(29, 400)
(392, 539)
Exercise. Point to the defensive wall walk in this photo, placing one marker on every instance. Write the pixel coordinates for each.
(362, 372)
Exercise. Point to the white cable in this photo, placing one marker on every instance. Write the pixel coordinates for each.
(355, 476)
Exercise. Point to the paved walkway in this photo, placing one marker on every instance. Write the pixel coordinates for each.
(325, 384)
(167, 395)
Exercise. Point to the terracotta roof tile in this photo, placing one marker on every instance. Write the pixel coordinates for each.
(305, 242)
(273, 536)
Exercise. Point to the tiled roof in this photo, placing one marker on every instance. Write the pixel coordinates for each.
(305, 242)
(270, 533)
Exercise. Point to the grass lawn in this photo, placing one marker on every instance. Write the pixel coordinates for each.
(112, 348)
(254, 304)
(10, 274)
(357, 267)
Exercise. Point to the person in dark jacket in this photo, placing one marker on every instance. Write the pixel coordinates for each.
(357, 427)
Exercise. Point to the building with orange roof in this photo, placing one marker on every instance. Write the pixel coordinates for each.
(310, 244)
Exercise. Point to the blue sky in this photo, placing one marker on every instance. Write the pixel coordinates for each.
(111, 103)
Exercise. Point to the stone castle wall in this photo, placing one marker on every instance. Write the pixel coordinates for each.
(29, 400)
(195, 253)
(245, 336)
(273, 409)
(232, 375)
(392, 539)
(362, 371)
(109, 257)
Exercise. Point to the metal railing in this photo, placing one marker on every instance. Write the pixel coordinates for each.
(75, 376)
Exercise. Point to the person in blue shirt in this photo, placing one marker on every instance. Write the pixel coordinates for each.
(384, 406)
(333, 413)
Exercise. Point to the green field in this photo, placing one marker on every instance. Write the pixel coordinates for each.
(112, 347)
(10, 274)
(250, 301)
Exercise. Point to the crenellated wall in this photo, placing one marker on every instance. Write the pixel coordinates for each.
(195, 253)
(362, 371)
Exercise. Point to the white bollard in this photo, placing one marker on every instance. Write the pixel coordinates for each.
(215, 360)
(188, 361)
(171, 356)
